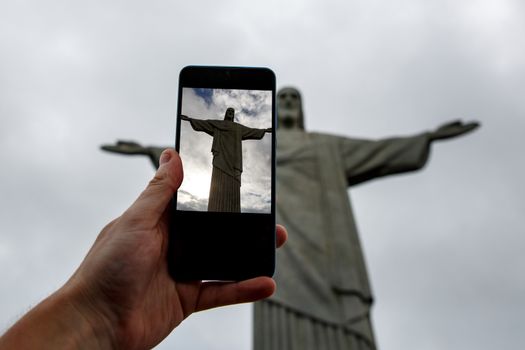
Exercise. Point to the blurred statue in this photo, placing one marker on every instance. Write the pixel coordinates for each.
(323, 296)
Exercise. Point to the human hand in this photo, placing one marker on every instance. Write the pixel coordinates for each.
(122, 296)
(453, 129)
(268, 130)
(184, 117)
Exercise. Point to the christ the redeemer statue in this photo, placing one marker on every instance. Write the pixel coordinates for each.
(225, 188)
(323, 295)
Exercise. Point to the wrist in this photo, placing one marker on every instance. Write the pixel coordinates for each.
(91, 328)
(431, 135)
(60, 321)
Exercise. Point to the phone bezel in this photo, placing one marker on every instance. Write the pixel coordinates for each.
(223, 246)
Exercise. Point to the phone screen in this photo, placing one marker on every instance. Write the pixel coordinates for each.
(226, 149)
(223, 215)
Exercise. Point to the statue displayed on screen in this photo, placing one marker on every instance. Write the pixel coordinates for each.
(323, 295)
(225, 189)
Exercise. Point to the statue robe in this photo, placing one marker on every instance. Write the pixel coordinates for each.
(226, 148)
(323, 295)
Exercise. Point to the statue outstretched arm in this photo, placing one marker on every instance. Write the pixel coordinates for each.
(134, 148)
(369, 159)
(365, 160)
(253, 133)
(207, 126)
(452, 129)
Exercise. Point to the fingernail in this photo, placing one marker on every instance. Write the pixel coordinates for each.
(165, 157)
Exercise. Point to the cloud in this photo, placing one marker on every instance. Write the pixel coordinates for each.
(187, 201)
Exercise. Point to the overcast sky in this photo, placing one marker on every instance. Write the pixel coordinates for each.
(253, 109)
(444, 246)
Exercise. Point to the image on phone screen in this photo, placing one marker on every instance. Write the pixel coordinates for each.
(226, 149)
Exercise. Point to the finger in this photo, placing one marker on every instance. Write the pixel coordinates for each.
(472, 125)
(110, 148)
(281, 235)
(215, 294)
(153, 201)
(452, 124)
(467, 128)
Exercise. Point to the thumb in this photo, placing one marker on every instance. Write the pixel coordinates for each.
(152, 202)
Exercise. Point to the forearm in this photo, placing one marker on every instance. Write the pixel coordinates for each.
(365, 160)
(254, 134)
(58, 322)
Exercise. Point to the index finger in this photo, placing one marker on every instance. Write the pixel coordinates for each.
(281, 235)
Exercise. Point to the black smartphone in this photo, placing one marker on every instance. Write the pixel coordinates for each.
(222, 223)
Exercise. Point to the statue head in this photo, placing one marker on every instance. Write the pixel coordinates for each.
(290, 109)
(230, 114)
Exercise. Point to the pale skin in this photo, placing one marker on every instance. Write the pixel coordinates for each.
(121, 296)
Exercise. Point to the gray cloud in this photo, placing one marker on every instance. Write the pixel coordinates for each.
(187, 201)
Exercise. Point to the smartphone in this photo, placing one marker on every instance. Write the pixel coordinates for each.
(222, 223)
